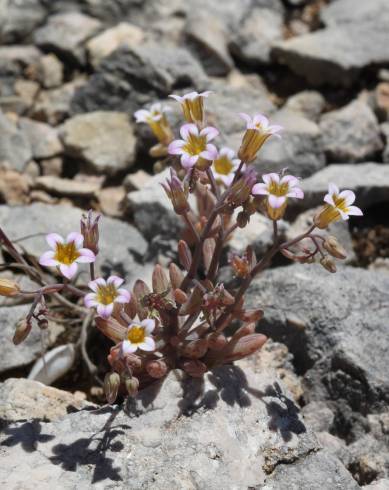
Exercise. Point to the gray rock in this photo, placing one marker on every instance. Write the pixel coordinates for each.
(308, 103)
(14, 59)
(53, 106)
(50, 71)
(226, 102)
(102, 45)
(385, 132)
(152, 210)
(258, 233)
(369, 458)
(228, 432)
(327, 320)
(318, 416)
(260, 28)
(351, 134)
(370, 182)
(15, 148)
(18, 18)
(207, 37)
(43, 139)
(119, 241)
(17, 356)
(337, 54)
(340, 229)
(130, 78)
(67, 187)
(24, 399)
(65, 35)
(317, 471)
(104, 140)
(349, 11)
(381, 484)
(299, 149)
(335, 446)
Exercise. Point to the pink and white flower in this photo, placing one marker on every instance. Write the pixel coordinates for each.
(105, 294)
(225, 165)
(156, 119)
(154, 114)
(66, 253)
(138, 337)
(258, 130)
(194, 147)
(278, 190)
(192, 106)
(338, 205)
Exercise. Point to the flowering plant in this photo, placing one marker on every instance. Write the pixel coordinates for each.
(181, 320)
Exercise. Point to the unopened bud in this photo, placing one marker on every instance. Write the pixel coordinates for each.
(177, 192)
(158, 150)
(216, 341)
(328, 264)
(245, 346)
(244, 330)
(184, 254)
(195, 349)
(180, 296)
(8, 288)
(196, 369)
(156, 369)
(43, 324)
(160, 280)
(23, 328)
(176, 276)
(111, 386)
(90, 231)
(334, 248)
(132, 386)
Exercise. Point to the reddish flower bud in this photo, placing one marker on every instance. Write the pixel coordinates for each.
(333, 247)
(8, 288)
(184, 254)
(132, 386)
(177, 192)
(176, 275)
(196, 369)
(156, 369)
(195, 349)
(328, 264)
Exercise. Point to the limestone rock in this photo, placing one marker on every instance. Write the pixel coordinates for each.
(24, 399)
(44, 140)
(351, 134)
(19, 18)
(123, 34)
(67, 187)
(65, 35)
(104, 140)
(119, 242)
(15, 148)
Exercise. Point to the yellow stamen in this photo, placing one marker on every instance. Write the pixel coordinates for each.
(66, 253)
(106, 294)
(223, 165)
(195, 144)
(136, 335)
(278, 190)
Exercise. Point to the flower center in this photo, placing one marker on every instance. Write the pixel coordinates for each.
(195, 145)
(340, 203)
(136, 334)
(278, 190)
(106, 294)
(223, 165)
(66, 253)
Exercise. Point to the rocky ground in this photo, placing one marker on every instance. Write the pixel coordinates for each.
(311, 411)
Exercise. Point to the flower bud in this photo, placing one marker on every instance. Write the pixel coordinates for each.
(111, 386)
(184, 254)
(158, 150)
(132, 386)
(90, 231)
(23, 328)
(176, 275)
(180, 296)
(244, 347)
(328, 264)
(241, 190)
(334, 248)
(160, 280)
(177, 192)
(195, 349)
(242, 219)
(156, 369)
(216, 341)
(111, 328)
(8, 288)
(196, 369)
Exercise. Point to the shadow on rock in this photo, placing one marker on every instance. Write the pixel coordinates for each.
(28, 435)
(91, 451)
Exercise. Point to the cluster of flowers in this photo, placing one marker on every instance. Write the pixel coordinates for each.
(181, 321)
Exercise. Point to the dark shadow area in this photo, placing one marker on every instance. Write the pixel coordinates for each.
(28, 435)
(91, 451)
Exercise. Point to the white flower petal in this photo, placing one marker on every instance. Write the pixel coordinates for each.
(53, 238)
